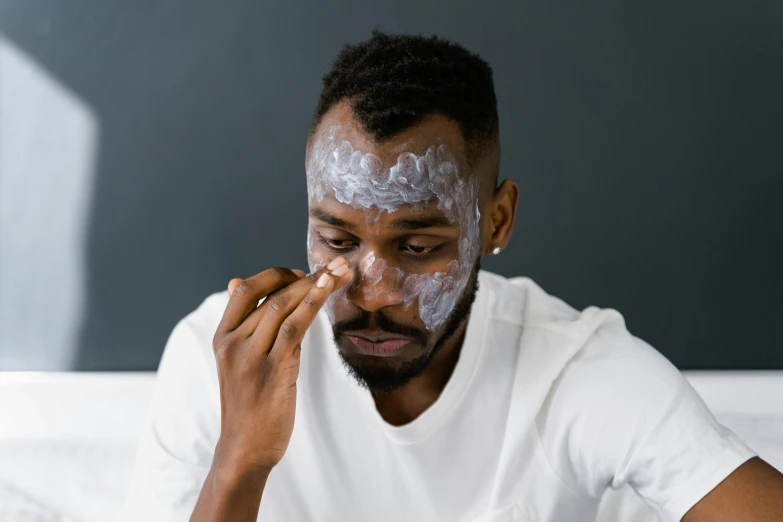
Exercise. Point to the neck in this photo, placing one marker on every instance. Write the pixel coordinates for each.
(405, 404)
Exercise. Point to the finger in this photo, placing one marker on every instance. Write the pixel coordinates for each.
(284, 301)
(281, 302)
(293, 328)
(233, 284)
(249, 324)
(269, 324)
(246, 294)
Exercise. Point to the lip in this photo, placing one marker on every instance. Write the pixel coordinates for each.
(379, 346)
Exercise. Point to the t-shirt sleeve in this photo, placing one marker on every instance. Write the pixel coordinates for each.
(620, 413)
(177, 445)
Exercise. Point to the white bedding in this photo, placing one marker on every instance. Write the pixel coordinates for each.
(18, 506)
(67, 441)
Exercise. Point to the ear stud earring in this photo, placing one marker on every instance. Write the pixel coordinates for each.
(496, 251)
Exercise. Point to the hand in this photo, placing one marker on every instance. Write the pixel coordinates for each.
(257, 351)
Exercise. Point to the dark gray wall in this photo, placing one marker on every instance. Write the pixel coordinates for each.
(645, 137)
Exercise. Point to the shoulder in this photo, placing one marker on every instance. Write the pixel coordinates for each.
(613, 373)
(204, 319)
(597, 364)
(620, 413)
(604, 343)
(521, 301)
(177, 444)
(602, 390)
(189, 346)
(607, 400)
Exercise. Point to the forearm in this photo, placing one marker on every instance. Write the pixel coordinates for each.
(230, 493)
(257, 376)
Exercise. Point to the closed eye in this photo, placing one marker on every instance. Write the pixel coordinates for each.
(338, 245)
(420, 251)
(342, 246)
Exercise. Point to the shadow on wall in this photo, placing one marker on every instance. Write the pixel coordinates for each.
(48, 144)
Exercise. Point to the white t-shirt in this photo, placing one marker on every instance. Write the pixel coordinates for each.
(546, 408)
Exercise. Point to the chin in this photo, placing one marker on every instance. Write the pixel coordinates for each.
(384, 374)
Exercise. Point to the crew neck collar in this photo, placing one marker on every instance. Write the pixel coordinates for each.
(456, 387)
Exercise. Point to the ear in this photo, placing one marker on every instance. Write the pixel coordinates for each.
(502, 210)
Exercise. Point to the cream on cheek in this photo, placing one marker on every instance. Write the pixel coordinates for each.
(362, 181)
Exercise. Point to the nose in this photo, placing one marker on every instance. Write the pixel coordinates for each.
(375, 285)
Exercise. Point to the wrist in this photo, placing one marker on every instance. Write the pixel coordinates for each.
(236, 478)
(231, 465)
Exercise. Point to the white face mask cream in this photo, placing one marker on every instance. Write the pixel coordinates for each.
(335, 168)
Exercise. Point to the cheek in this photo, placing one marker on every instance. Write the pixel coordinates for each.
(316, 257)
(316, 260)
(434, 294)
(334, 303)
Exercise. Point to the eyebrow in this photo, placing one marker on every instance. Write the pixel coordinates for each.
(419, 223)
(329, 219)
(399, 224)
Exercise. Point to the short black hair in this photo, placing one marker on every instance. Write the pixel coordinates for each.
(394, 81)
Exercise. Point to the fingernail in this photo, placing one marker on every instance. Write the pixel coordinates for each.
(337, 261)
(341, 270)
(322, 281)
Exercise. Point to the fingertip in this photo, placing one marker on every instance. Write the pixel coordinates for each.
(233, 284)
(345, 278)
(300, 273)
(323, 281)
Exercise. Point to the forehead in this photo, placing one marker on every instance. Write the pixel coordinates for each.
(405, 218)
(432, 130)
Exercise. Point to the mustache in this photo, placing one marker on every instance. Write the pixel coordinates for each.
(377, 321)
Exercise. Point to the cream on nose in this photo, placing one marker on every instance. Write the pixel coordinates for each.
(375, 284)
(371, 269)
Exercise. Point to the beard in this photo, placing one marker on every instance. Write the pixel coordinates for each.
(382, 377)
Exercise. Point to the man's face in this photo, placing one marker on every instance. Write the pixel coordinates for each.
(405, 214)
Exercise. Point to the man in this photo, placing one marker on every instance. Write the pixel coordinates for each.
(398, 382)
